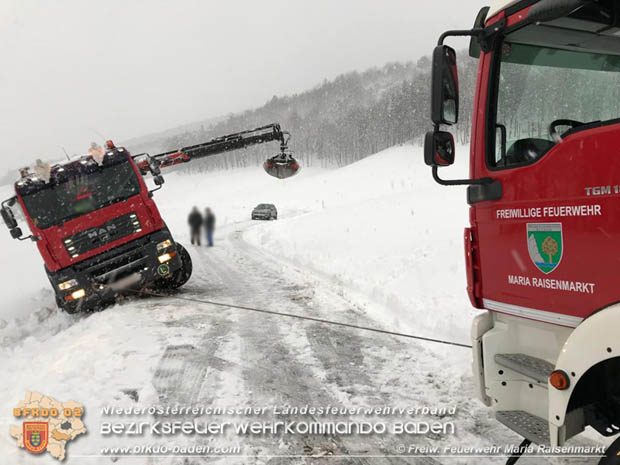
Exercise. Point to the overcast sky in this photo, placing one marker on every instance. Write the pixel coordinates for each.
(76, 71)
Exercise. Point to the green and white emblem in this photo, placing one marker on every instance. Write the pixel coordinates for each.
(163, 269)
(545, 245)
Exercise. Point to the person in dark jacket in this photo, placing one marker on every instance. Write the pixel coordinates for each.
(209, 226)
(195, 223)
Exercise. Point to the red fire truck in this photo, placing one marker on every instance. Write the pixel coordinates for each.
(543, 245)
(97, 227)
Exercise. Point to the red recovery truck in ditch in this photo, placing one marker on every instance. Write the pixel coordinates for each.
(543, 247)
(96, 224)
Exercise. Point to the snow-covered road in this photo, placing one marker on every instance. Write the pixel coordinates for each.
(262, 360)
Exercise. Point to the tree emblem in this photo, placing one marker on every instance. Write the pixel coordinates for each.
(549, 247)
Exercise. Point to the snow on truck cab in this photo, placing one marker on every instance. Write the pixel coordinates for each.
(543, 247)
(97, 227)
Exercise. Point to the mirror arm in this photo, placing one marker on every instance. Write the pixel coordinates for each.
(459, 182)
(484, 35)
(155, 190)
(460, 33)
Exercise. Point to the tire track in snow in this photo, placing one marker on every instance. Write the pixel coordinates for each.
(270, 368)
(419, 376)
(274, 369)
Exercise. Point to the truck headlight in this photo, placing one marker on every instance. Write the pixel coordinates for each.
(78, 294)
(67, 285)
(75, 295)
(164, 245)
(166, 257)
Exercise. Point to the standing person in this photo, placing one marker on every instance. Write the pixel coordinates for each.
(209, 226)
(195, 223)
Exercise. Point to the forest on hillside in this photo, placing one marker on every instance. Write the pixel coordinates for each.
(336, 123)
(342, 120)
(357, 114)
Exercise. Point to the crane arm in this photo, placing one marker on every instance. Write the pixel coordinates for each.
(239, 140)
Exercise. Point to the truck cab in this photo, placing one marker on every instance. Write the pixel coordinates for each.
(543, 246)
(96, 227)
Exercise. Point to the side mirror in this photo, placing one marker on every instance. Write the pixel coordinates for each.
(445, 86)
(158, 180)
(154, 167)
(9, 218)
(11, 222)
(438, 148)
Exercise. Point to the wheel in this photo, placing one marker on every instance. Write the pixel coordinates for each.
(182, 275)
(612, 454)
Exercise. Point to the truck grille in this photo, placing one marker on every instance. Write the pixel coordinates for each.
(115, 264)
(109, 231)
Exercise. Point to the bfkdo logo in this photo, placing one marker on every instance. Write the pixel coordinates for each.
(35, 436)
(48, 425)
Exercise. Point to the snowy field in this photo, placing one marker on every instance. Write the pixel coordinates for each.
(380, 230)
(376, 243)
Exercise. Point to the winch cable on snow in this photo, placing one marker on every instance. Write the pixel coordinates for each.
(308, 318)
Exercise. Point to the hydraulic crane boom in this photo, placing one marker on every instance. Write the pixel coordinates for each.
(239, 140)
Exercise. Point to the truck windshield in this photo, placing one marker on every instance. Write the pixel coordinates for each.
(81, 194)
(539, 86)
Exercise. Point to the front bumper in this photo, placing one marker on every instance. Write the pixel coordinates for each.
(131, 266)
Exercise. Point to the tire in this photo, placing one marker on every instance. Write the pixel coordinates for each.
(612, 454)
(182, 275)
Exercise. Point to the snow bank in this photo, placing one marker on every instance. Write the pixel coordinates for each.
(22, 278)
(385, 232)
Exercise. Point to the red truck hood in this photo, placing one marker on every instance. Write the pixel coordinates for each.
(83, 237)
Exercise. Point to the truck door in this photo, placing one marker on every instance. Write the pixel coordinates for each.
(550, 247)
